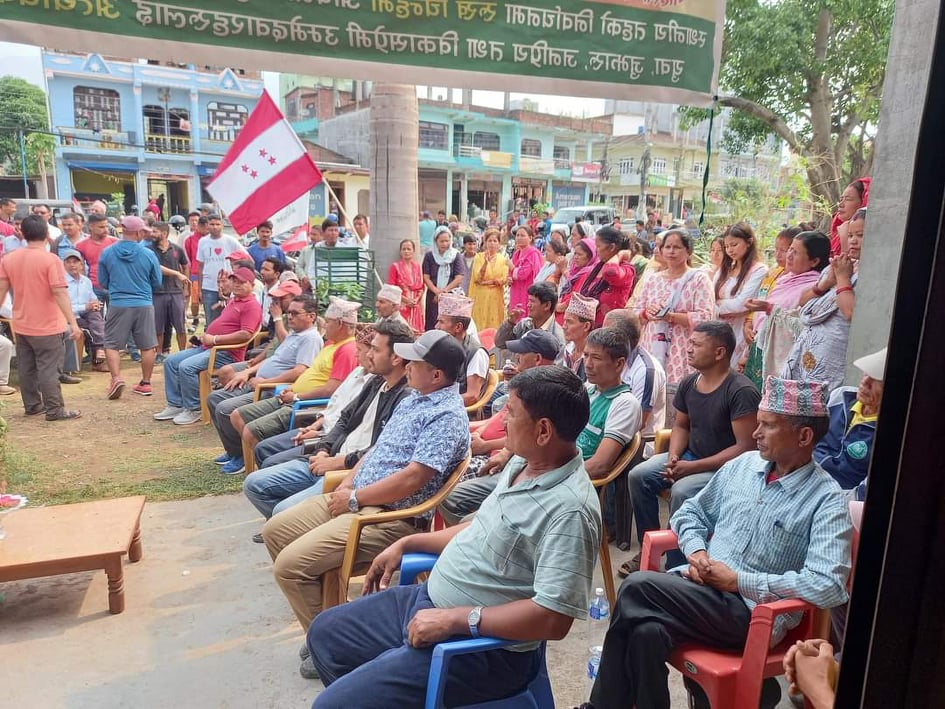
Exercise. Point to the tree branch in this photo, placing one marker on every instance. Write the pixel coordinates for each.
(768, 117)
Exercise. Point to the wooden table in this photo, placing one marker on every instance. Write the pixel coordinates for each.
(48, 541)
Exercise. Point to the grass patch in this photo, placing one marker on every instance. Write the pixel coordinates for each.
(182, 477)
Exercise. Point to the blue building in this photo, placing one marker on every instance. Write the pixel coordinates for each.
(142, 129)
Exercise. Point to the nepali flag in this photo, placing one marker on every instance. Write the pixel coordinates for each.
(266, 168)
(298, 240)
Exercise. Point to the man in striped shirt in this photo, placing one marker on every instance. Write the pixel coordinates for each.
(770, 524)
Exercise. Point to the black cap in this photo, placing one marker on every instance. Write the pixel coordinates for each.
(538, 341)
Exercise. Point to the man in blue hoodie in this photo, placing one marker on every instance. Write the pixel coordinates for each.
(130, 273)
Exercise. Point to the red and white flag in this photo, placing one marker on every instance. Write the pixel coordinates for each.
(298, 240)
(266, 168)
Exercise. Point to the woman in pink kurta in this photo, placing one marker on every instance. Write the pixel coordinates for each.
(526, 263)
(671, 303)
(406, 274)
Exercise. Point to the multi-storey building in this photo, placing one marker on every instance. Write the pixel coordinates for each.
(142, 129)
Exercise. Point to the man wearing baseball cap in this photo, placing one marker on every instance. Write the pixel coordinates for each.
(425, 438)
(235, 325)
(846, 449)
(130, 273)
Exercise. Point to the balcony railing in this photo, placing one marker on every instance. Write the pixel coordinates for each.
(466, 151)
(94, 139)
(156, 143)
(562, 164)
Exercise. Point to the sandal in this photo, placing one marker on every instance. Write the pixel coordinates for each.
(628, 567)
(64, 415)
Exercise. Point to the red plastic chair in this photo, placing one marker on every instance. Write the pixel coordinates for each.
(732, 680)
(487, 338)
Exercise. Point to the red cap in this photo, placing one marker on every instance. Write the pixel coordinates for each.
(239, 256)
(243, 274)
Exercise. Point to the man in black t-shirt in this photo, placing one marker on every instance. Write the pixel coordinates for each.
(716, 410)
(169, 299)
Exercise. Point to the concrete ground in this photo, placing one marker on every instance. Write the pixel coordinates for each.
(204, 626)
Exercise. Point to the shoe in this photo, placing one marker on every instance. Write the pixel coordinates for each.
(159, 359)
(100, 366)
(64, 415)
(304, 652)
(116, 388)
(234, 467)
(168, 413)
(307, 669)
(69, 379)
(37, 412)
(258, 539)
(629, 567)
(6, 390)
(223, 459)
(186, 417)
(135, 356)
(143, 388)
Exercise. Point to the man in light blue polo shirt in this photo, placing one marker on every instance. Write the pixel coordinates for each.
(521, 569)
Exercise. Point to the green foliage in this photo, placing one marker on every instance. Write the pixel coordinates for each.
(353, 292)
(23, 106)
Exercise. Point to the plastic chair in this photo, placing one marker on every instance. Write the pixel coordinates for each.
(206, 375)
(249, 460)
(492, 381)
(732, 680)
(487, 340)
(335, 582)
(619, 467)
(537, 695)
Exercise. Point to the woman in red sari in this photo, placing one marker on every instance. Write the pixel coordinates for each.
(406, 274)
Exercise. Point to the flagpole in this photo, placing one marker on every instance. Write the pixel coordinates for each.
(332, 195)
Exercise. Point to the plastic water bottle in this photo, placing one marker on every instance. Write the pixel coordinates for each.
(598, 620)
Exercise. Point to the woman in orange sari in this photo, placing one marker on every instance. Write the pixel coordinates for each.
(405, 273)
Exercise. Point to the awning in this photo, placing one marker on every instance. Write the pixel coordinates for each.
(102, 166)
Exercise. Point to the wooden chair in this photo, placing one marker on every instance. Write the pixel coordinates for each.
(619, 468)
(335, 582)
(207, 374)
(475, 410)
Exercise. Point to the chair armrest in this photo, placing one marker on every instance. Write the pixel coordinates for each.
(443, 653)
(333, 480)
(655, 544)
(412, 565)
(279, 388)
(308, 404)
(260, 388)
(661, 440)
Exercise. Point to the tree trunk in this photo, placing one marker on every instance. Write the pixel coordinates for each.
(394, 202)
(42, 189)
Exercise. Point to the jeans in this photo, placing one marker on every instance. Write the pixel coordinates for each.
(361, 653)
(646, 481)
(210, 298)
(279, 487)
(277, 449)
(182, 376)
(221, 404)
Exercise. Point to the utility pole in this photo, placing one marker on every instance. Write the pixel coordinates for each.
(26, 184)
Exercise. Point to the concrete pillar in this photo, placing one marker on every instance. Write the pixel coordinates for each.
(463, 197)
(448, 194)
(904, 92)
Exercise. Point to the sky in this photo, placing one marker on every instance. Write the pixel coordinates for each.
(24, 60)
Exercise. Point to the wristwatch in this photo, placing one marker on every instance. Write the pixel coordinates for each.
(353, 501)
(475, 615)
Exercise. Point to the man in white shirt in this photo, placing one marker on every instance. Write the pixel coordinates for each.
(43, 210)
(212, 252)
(455, 315)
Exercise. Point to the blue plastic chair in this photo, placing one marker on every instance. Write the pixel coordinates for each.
(298, 405)
(537, 695)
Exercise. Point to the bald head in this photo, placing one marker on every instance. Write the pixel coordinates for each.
(98, 207)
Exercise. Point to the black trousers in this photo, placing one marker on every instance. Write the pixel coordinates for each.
(654, 612)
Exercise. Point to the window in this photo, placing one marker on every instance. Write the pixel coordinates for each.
(225, 120)
(658, 166)
(434, 135)
(626, 165)
(154, 120)
(486, 141)
(179, 121)
(559, 152)
(531, 148)
(96, 109)
(698, 169)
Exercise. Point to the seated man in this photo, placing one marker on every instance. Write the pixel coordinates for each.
(716, 408)
(387, 304)
(845, 451)
(290, 359)
(269, 417)
(276, 488)
(578, 322)
(426, 437)
(86, 307)
(542, 300)
(614, 421)
(455, 315)
(770, 524)
(237, 323)
(521, 569)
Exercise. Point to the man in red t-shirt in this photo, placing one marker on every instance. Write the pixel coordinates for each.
(7, 210)
(236, 324)
(42, 315)
(199, 228)
(92, 248)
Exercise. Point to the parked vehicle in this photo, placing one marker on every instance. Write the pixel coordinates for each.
(596, 214)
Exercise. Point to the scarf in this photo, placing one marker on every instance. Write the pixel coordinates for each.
(575, 272)
(786, 293)
(444, 265)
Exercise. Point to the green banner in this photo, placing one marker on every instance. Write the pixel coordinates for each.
(641, 49)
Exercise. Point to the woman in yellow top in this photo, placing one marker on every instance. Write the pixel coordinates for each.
(490, 271)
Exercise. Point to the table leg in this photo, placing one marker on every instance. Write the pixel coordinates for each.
(116, 585)
(134, 552)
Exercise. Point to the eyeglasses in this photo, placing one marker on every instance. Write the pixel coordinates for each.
(294, 312)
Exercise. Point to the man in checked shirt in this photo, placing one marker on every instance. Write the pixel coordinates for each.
(770, 524)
